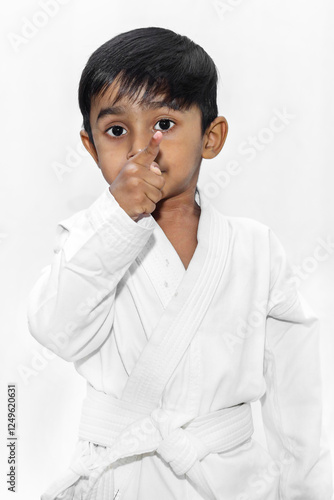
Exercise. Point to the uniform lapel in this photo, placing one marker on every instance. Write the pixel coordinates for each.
(184, 310)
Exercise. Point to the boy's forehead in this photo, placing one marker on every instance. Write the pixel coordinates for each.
(109, 96)
(105, 104)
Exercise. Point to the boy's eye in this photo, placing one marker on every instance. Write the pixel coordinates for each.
(164, 124)
(116, 131)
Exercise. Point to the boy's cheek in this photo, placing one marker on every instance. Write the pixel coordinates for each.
(109, 171)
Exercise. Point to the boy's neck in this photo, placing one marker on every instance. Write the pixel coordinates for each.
(177, 208)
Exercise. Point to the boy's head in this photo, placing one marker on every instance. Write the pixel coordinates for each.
(142, 79)
(158, 61)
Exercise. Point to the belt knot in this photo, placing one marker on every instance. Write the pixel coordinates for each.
(178, 447)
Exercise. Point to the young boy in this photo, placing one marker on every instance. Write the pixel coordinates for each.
(178, 316)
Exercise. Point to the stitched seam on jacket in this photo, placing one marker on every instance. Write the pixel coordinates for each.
(279, 427)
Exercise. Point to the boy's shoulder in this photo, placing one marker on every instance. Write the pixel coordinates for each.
(240, 225)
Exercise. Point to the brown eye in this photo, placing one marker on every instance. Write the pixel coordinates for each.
(116, 131)
(164, 125)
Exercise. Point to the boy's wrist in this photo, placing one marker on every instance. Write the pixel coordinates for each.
(134, 217)
(107, 209)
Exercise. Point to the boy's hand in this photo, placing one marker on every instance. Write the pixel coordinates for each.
(137, 187)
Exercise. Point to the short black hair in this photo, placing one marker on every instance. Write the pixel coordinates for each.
(157, 60)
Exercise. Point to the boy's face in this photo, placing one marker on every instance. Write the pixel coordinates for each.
(121, 131)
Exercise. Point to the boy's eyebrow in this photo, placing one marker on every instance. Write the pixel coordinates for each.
(117, 110)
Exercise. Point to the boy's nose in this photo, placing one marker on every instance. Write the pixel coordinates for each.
(133, 152)
(139, 144)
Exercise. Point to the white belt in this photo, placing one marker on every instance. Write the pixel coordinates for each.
(179, 438)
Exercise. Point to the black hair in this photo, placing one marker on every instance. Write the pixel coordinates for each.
(157, 60)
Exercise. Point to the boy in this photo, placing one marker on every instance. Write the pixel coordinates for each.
(177, 315)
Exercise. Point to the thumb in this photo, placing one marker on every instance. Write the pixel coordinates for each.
(155, 168)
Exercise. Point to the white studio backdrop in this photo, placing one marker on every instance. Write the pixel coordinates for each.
(275, 61)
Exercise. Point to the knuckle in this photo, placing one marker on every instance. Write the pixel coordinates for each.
(138, 199)
(151, 207)
(148, 206)
(147, 150)
(131, 169)
(135, 182)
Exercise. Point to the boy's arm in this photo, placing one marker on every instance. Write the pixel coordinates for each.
(292, 404)
(70, 308)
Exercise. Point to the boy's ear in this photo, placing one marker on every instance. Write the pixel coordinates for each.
(89, 146)
(215, 137)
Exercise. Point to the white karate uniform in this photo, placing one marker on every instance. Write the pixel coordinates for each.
(117, 300)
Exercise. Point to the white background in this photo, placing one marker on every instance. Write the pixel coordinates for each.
(271, 55)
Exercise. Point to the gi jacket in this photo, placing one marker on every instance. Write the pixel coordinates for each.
(118, 303)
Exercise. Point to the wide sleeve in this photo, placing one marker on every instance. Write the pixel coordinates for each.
(71, 306)
(292, 403)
